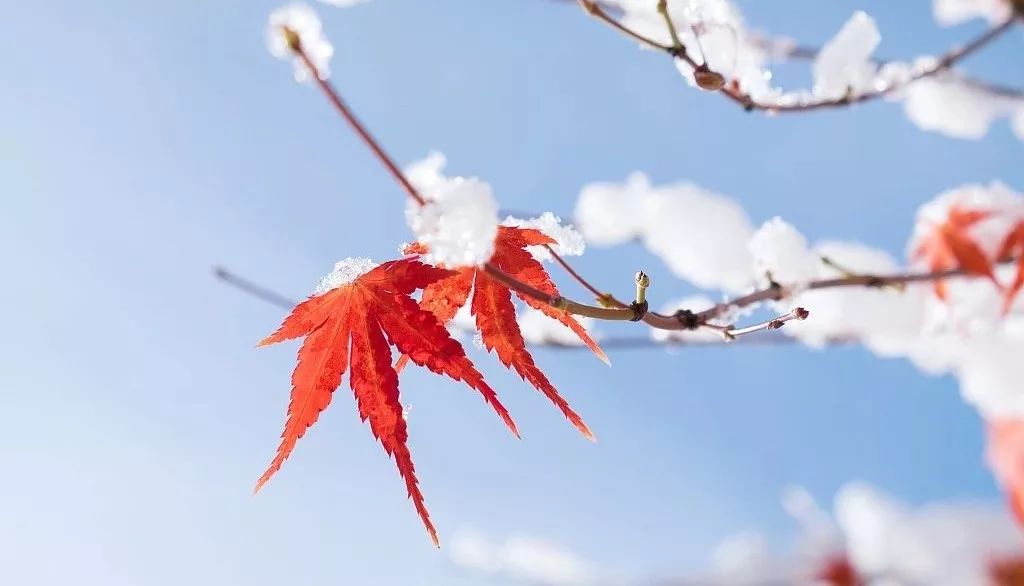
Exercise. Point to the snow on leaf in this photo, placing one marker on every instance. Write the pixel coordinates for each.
(354, 325)
(458, 222)
(460, 218)
(567, 241)
(344, 272)
(301, 19)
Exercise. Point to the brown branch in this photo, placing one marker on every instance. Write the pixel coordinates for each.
(614, 342)
(334, 97)
(596, 9)
(736, 95)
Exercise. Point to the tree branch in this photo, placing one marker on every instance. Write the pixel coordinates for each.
(681, 320)
(334, 97)
(735, 94)
(615, 342)
(775, 292)
(785, 49)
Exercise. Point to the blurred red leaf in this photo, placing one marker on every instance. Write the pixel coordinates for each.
(949, 246)
(1013, 246)
(1005, 453)
(838, 571)
(1007, 571)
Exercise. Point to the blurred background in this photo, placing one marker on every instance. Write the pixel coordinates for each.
(143, 143)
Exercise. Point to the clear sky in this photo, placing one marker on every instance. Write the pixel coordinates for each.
(143, 142)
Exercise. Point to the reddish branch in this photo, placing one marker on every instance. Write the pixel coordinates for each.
(679, 51)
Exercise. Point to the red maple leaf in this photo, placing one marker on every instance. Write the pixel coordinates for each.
(1013, 246)
(948, 246)
(1005, 454)
(495, 313)
(353, 328)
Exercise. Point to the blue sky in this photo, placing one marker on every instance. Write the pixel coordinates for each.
(143, 143)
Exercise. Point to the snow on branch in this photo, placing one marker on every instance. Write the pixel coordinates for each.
(714, 50)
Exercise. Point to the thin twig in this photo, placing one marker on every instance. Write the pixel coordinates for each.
(773, 324)
(254, 289)
(596, 10)
(579, 278)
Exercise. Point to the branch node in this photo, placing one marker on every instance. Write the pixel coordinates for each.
(559, 303)
(607, 300)
(639, 310)
(677, 52)
(688, 319)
